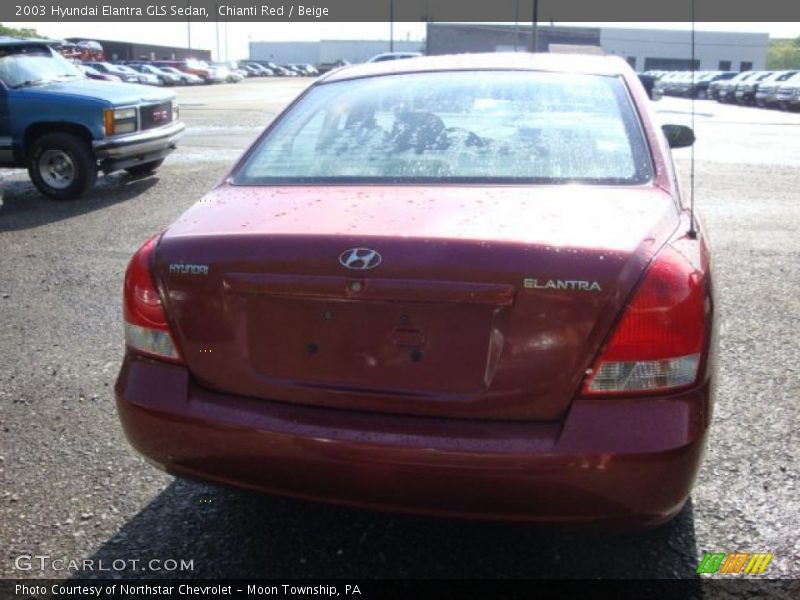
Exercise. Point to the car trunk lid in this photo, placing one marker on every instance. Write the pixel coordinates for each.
(487, 303)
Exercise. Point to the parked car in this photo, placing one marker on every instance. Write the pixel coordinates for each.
(89, 50)
(685, 83)
(200, 68)
(279, 70)
(93, 73)
(241, 72)
(745, 90)
(384, 56)
(664, 84)
(164, 77)
(426, 320)
(680, 85)
(648, 82)
(295, 70)
(144, 77)
(788, 94)
(715, 87)
(727, 89)
(702, 88)
(330, 66)
(225, 73)
(767, 89)
(304, 69)
(64, 127)
(260, 70)
(105, 67)
(220, 73)
(185, 78)
(697, 86)
(251, 71)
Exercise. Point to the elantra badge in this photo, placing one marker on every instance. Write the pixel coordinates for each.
(360, 259)
(560, 284)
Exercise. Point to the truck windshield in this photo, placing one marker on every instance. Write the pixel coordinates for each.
(22, 70)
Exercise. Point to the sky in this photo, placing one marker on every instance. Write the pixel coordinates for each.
(204, 35)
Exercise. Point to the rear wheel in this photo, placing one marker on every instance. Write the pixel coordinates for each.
(145, 169)
(61, 166)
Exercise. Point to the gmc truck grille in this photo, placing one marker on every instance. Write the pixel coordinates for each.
(156, 115)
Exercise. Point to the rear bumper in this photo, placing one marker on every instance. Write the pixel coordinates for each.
(631, 461)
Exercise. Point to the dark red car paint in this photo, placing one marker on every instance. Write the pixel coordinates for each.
(437, 383)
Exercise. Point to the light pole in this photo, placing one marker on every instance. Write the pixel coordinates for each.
(188, 32)
(216, 27)
(391, 25)
(535, 26)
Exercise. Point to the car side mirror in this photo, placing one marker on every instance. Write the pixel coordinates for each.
(678, 136)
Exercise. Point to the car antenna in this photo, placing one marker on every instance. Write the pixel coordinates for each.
(692, 230)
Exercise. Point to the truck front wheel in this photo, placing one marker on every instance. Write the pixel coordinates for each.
(62, 166)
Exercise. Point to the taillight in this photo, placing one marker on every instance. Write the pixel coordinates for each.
(658, 343)
(146, 328)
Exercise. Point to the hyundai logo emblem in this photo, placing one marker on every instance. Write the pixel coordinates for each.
(360, 259)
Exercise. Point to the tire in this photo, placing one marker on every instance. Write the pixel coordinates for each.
(145, 169)
(62, 166)
(702, 94)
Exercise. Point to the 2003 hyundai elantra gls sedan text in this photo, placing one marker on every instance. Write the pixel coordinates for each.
(460, 285)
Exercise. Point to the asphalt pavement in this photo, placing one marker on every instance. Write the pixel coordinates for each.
(72, 488)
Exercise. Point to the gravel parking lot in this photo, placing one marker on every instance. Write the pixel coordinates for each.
(71, 487)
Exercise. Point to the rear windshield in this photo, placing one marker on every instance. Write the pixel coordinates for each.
(462, 127)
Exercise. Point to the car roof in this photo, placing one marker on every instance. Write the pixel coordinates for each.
(515, 61)
(11, 41)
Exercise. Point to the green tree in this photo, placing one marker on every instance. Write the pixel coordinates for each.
(783, 54)
(18, 33)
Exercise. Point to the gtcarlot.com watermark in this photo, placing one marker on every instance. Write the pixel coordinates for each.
(45, 562)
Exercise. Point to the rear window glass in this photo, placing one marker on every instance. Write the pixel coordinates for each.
(470, 127)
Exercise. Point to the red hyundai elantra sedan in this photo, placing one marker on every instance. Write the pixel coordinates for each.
(456, 285)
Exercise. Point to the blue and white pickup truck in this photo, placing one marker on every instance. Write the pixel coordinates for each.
(64, 127)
